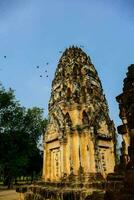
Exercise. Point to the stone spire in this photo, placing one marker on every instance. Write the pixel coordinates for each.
(76, 81)
(80, 134)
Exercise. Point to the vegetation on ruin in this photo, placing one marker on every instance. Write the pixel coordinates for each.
(20, 132)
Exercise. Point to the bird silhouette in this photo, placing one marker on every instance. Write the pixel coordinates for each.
(47, 63)
(37, 67)
(47, 76)
(40, 76)
(45, 70)
(4, 56)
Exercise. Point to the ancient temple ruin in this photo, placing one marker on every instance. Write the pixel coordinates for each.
(80, 137)
(126, 106)
(79, 142)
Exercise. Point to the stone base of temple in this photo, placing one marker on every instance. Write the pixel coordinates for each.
(73, 189)
(47, 192)
(96, 188)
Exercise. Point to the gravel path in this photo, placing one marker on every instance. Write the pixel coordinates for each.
(8, 195)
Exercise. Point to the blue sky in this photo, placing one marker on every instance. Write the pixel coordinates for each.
(32, 32)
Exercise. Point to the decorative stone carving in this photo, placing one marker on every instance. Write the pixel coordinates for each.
(77, 103)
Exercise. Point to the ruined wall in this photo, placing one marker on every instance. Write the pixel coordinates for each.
(80, 137)
(126, 106)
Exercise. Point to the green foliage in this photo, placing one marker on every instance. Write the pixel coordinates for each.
(20, 132)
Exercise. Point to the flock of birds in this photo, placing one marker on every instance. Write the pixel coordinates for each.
(46, 71)
(41, 76)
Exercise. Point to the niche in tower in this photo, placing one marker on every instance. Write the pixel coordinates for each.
(68, 94)
(76, 72)
(83, 92)
(68, 119)
(85, 118)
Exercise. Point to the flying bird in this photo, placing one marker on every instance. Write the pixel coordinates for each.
(4, 56)
(37, 67)
(41, 76)
(47, 76)
(47, 63)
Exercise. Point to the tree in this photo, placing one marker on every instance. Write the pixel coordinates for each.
(34, 126)
(20, 132)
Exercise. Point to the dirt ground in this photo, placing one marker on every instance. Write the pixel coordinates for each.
(8, 195)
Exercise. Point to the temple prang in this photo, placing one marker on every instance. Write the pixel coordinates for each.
(80, 135)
